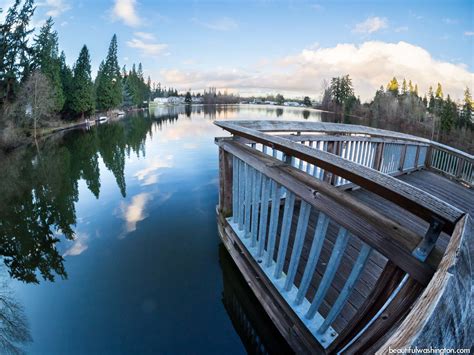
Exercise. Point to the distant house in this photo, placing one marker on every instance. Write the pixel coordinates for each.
(291, 103)
(171, 100)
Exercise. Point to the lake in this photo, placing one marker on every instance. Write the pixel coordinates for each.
(109, 240)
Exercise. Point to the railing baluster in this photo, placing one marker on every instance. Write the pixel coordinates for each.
(285, 232)
(235, 189)
(274, 216)
(329, 273)
(303, 218)
(241, 195)
(315, 251)
(357, 269)
(264, 213)
(255, 207)
(248, 199)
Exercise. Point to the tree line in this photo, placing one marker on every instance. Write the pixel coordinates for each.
(402, 104)
(38, 87)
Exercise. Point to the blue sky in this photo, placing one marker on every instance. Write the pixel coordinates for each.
(276, 46)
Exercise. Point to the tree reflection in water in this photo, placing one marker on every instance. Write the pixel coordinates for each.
(39, 190)
(14, 329)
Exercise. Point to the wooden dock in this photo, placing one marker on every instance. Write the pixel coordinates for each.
(344, 233)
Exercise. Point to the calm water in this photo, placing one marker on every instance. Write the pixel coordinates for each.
(109, 240)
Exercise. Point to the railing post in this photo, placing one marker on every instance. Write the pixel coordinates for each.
(417, 156)
(429, 152)
(225, 182)
(378, 156)
(460, 168)
(403, 153)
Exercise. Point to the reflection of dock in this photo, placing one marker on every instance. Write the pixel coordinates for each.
(353, 239)
(255, 328)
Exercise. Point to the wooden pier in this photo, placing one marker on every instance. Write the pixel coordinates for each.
(354, 239)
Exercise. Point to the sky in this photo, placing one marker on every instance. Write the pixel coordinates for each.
(263, 47)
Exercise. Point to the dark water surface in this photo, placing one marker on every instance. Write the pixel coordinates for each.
(122, 217)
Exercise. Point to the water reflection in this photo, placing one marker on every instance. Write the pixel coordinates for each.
(39, 191)
(257, 331)
(14, 328)
(128, 208)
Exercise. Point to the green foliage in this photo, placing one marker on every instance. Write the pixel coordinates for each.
(465, 119)
(14, 50)
(136, 90)
(82, 98)
(448, 114)
(108, 83)
(46, 59)
(67, 81)
(342, 93)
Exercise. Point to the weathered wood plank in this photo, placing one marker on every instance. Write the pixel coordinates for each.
(444, 307)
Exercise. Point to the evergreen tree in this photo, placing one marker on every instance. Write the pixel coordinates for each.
(46, 59)
(467, 108)
(67, 84)
(108, 81)
(14, 50)
(404, 87)
(410, 87)
(448, 113)
(307, 101)
(82, 89)
(431, 104)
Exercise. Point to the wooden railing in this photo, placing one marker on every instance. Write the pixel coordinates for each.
(453, 163)
(304, 173)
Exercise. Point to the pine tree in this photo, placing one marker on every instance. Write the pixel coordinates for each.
(67, 84)
(447, 114)
(467, 108)
(46, 59)
(83, 89)
(108, 81)
(431, 104)
(404, 87)
(410, 87)
(14, 50)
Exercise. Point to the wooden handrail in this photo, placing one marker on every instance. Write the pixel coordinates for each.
(409, 197)
(386, 236)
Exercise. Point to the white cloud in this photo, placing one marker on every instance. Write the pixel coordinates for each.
(79, 246)
(371, 25)
(125, 10)
(150, 174)
(145, 36)
(469, 33)
(147, 44)
(369, 64)
(134, 212)
(55, 7)
(220, 24)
